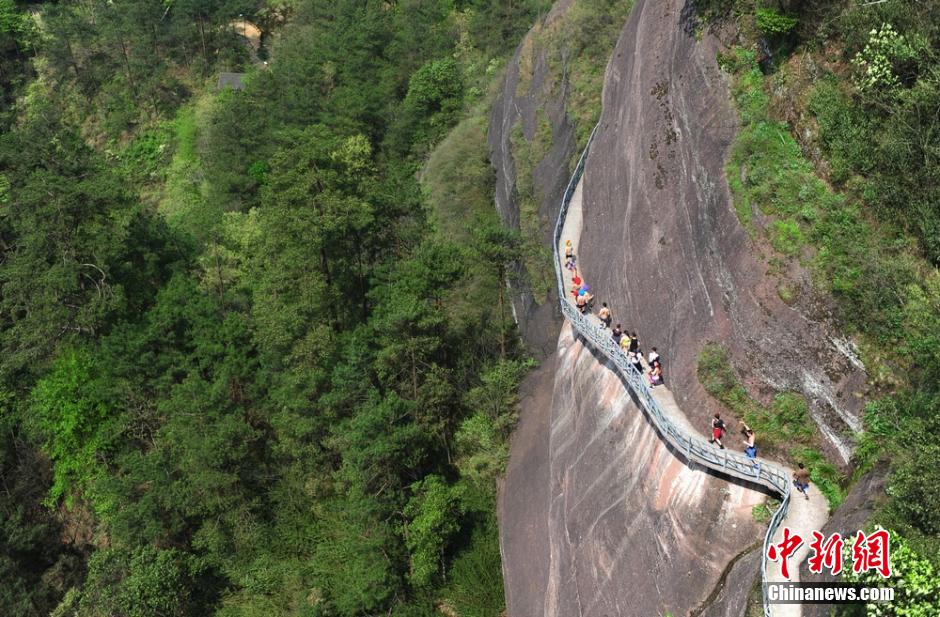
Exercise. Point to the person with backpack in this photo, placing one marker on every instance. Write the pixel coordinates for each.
(718, 429)
(656, 374)
(637, 361)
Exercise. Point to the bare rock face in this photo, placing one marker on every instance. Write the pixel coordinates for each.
(662, 244)
(514, 105)
(629, 529)
(730, 596)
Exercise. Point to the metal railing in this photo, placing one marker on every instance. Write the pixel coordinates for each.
(692, 447)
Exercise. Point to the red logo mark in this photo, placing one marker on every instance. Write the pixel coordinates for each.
(783, 550)
(872, 553)
(828, 554)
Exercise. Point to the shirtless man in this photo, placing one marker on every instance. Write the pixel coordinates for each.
(604, 315)
(801, 480)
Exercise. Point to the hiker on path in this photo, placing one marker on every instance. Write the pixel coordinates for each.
(582, 302)
(637, 361)
(749, 441)
(654, 356)
(801, 480)
(617, 334)
(588, 299)
(656, 374)
(604, 315)
(569, 250)
(625, 343)
(718, 429)
(634, 342)
(571, 265)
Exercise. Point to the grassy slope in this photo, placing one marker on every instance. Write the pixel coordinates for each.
(815, 206)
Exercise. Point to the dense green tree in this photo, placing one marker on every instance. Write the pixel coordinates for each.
(433, 518)
(37, 561)
(145, 582)
(17, 38)
(76, 252)
(72, 413)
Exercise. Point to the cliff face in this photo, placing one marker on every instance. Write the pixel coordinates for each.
(608, 521)
(527, 98)
(597, 517)
(662, 243)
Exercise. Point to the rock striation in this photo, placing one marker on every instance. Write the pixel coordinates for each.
(630, 529)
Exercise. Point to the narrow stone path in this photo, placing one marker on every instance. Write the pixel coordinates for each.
(803, 516)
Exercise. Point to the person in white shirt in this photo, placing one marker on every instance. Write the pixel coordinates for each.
(653, 356)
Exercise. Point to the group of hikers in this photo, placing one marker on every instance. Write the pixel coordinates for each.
(630, 345)
(580, 291)
(629, 342)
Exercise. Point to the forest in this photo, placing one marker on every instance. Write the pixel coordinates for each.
(249, 367)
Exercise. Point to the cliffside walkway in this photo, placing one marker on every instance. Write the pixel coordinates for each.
(802, 516)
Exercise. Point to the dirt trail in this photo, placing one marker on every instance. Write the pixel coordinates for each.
(252, 35)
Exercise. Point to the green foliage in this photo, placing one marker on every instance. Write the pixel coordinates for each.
(18, 37)
(72, 415)
(287, 384)
(35, 565)
(146, 582)
(771, 22)
(581, 45)
(184, 203)
(123, 65)
(879, 137)
(913, 576)
(432, 514)
(787, 237)
(875, 64)
(873, 229)
(77, 254)
(476, 582)
(458, 179)
(762, 512)
(350, 558)
(435, 93)
(16, 23)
